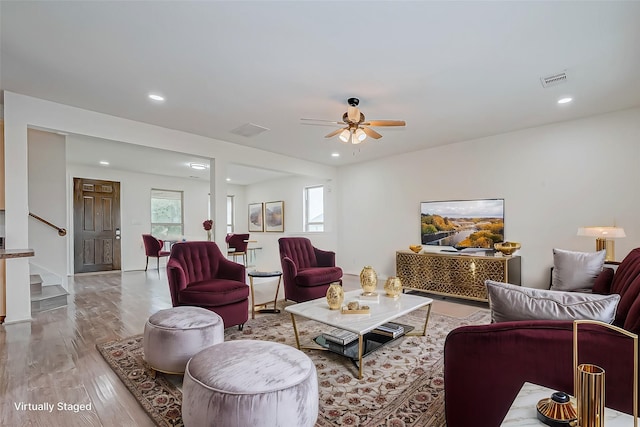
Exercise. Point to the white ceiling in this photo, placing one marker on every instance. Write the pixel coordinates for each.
(88, 151)
(453, 70)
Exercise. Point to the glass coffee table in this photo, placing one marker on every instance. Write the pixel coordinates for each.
(386, 310)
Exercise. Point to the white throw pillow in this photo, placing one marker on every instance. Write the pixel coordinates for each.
(510, 302)
(574, 271)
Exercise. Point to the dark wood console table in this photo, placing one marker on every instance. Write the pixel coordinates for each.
(455, 275)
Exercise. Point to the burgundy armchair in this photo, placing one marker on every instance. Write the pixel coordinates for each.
(307, 271)
(153, 249)
(485, 365)
(200, 275)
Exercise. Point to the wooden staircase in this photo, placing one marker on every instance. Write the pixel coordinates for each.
(44, 298)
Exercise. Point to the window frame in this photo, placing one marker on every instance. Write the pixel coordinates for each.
(166, 224)
(231, 221)
(306, 219)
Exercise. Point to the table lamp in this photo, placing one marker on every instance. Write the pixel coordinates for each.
(604, 236)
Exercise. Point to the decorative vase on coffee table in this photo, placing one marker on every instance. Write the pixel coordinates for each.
(590, 395)
(368, 280)
(335, 296)
(393, 287)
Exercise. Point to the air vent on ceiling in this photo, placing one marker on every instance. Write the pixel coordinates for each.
(249, 129)
(554, 79)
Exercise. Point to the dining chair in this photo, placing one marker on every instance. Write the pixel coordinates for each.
(237, 246)
(153, 249)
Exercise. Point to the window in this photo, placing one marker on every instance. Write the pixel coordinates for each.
(166, 213)
(230, 221)
(314, 208)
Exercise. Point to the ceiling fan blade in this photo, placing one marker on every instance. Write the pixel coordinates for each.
(332, 125)
(324, 121)
(334, 133)
(353, 114)
(384, 123)
(372, 133)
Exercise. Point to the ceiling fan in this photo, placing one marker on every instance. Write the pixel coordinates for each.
(356, 129)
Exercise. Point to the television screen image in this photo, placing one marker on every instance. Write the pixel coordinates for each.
(462, 223)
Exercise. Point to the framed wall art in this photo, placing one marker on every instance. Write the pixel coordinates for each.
(274, 216)
(256, 222)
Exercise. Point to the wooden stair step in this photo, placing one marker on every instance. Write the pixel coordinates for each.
(35, 284)
(54, 296)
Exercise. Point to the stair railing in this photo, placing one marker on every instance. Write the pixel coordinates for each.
(61, 231)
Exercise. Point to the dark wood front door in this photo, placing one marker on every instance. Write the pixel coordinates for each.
(96, 220)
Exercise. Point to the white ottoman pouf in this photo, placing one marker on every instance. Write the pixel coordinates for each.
(175, 335)
(250, 383)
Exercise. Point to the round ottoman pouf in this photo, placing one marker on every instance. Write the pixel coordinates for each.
(175, 335)
(250, 383)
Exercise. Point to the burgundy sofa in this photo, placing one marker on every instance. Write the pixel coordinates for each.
(486, 365)
(306, 270)
(200, 275)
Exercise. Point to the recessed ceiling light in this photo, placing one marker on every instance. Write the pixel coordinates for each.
(228, 179)
(335, 154)
(197, 166)
(104, 163)
(156, 97)
(564, 100)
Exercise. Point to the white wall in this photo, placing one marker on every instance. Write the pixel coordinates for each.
(135, 208)
(49, 188)
(47, 199)
(554, 179)
(21, 112)
(290, 190)
(240, 207)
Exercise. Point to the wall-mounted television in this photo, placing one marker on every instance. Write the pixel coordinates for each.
(462, 223)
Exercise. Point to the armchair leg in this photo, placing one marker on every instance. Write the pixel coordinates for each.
(146, 266)
(241, 326)
(158, 264)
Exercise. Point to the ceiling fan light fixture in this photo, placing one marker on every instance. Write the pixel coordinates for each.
(354, 127)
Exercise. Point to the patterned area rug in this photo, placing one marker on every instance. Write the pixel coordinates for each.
(402, 382)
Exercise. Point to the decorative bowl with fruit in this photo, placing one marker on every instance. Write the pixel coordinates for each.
(507, 248)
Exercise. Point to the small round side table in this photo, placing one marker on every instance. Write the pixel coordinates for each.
(263, 274)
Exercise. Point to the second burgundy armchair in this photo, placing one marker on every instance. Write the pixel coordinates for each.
(307, 271)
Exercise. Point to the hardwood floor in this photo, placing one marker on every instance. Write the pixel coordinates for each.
(53, 358)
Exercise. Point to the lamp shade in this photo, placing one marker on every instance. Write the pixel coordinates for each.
(602, 232)
(344, 135)
(360, 135)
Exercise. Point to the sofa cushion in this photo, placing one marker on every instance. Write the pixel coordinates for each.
(602, 284)
(318, 276)
(574, 271)
(213, 293)
(509, 302)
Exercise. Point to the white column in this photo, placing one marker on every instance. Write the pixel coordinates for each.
(16, 213)
(218, 190)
